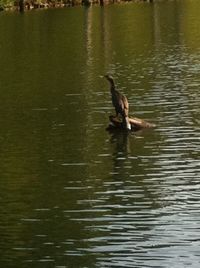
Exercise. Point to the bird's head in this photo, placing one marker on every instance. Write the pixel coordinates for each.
(109, 78)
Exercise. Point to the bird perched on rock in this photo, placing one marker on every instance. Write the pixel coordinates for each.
(120, 103)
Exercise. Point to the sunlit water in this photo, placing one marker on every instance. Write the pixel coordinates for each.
(73, 194)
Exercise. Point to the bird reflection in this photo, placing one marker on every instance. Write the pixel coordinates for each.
(120, 140)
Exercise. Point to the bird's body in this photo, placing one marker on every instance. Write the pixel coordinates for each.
(120, 103)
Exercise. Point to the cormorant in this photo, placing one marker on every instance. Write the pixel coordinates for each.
(120, 103)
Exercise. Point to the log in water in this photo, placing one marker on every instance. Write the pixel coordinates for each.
(136, 123)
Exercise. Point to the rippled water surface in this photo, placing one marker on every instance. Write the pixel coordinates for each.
(73, 194)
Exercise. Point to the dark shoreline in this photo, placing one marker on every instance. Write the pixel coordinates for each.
(23, 5)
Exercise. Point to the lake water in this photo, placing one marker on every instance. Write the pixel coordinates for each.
(71, 193)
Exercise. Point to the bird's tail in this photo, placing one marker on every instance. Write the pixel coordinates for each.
(126, 123)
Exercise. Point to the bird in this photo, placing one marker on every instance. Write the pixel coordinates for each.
(120, 102)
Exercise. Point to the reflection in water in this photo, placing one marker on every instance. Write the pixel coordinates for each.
(72, 194)
(88, 29)
(120, 140)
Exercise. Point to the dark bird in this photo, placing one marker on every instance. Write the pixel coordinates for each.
(120, 103)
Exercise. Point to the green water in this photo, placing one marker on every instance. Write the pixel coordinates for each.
(71, 193)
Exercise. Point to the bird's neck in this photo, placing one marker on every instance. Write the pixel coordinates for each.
(112, 86)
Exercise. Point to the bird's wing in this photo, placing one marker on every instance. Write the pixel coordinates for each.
(125, 104)
(122, 103)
